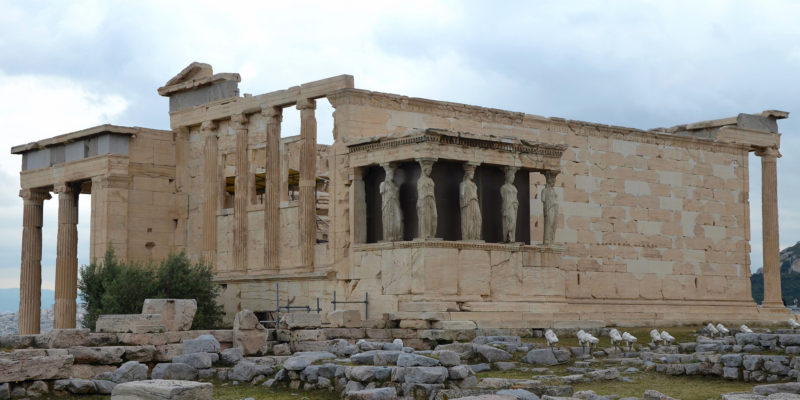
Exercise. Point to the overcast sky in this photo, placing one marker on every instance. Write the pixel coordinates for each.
(66, 66)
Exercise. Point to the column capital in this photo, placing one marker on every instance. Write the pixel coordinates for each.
(550, 177)
(306, 104)
(34, 196)
(770, 152)
(208, 126)
(65, 188)
(272, 112)
(239, 121)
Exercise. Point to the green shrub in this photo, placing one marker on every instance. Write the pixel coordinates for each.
(119, 287)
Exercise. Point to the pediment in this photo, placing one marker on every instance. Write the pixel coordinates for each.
(193, 71)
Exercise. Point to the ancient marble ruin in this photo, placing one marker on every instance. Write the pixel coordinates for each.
(497, 218)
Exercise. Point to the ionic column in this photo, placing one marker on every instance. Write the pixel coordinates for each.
(66, 256)
(241, 194)
(769, 227)
(272, 190)
(30, 276)
(208, 129)
(308, 181)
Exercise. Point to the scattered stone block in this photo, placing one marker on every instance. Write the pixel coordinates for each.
(282, 349)
(75, 386)
(518, 394)
(788, 387)
(201, 344)
(447, 358)
(163, 389)
(415, 360)
(426, 374)
(35, 368)
(139, 353)
(89, 371)
(129, 372)
(64, 338)
(97, 355)
(179, 371)
(414, 324)
(166, 352)
(246, 320)
(386, 393)
(103, 386)
(251, 342)
(460, 372)
(341, 347)
(130, 323)
(492, 354)
(36, 389)
(296, 363)
(345, 318)
(456, 325)
(176, 314)
(301, 320)
(243, 371)
(231, 356)
(541, 357)
(195, 360)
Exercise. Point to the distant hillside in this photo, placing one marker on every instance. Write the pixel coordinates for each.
(790, 277)
(9, 299)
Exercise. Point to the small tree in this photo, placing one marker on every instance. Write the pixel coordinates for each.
(118, 287)
(178, 278)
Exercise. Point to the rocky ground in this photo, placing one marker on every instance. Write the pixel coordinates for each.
(488, 368)
(8, 321)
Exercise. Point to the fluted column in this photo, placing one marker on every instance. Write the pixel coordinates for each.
(308, 181)
(241, 194)
(66, 256)
(769, 221)
(208, 129)
(30, 276)
(272, 188)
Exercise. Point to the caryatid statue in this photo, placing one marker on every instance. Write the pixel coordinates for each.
(391, 214)
(550, 207)
(470, 208)
(426, 200)
(510, 205)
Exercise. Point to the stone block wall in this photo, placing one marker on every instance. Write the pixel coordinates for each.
(646, 217)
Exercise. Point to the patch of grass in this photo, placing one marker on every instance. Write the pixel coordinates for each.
(681, 387)
(230, 392)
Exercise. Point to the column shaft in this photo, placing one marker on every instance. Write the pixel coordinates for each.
(208, 129)
(273, 188)
(30, 277)
(769, 210)
(66, 257)
(308, 181)
(241, 194)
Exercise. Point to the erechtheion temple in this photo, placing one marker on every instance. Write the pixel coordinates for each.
(419, 206)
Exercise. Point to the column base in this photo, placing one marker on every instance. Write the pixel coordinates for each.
(774, 306)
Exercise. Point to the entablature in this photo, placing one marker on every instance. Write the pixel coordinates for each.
(457, 146)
